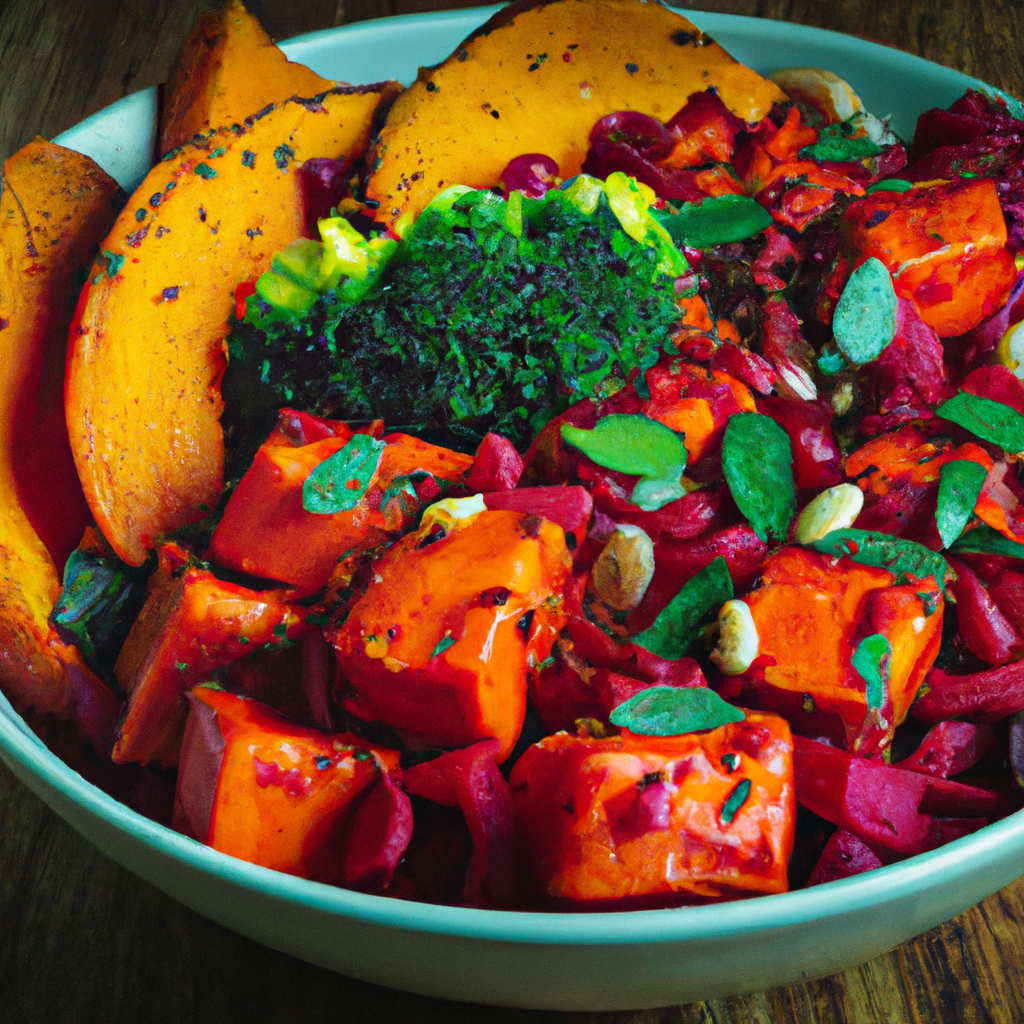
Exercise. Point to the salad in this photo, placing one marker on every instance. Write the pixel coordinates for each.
(640, 529)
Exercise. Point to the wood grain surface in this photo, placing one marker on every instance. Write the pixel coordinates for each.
(83, 940)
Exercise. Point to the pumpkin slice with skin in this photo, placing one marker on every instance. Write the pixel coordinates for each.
(147, 346)
(535, 79)
(55, 204)
(228, 68)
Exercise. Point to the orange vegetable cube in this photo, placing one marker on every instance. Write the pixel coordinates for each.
(945, 246)
(191, 625)
(811, 613)
(643, 821)
(440, 644)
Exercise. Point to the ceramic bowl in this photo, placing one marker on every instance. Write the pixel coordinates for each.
(603, 961)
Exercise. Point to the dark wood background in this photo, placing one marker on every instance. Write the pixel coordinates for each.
(82, 940)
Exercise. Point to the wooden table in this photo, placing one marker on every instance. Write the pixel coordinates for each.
(83, 940)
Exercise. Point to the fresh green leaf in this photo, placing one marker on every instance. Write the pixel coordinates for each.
(630, 443)
(715, 220)
(865, 318)
(990, 420)
(837, 145)
(983, 540)
(674, 711)
(735, 800)
(890, 185)
(960, 484)
(872, 661)
(679, 624)
(443, 644)
(339, 483)
(900, 557)
(651, 495)
(758, 464)
(98, 603)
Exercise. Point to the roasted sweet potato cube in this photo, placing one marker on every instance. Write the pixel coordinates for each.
(266, 531)
(228, 69)
(811, 613)
(945, 246)
(563, 66)
(191, 624)
(640, 821)
(439, 645)
(315, 804)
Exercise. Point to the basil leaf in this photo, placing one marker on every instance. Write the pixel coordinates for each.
(339, 483)
(758, 464)
(672, 711)
(890, 185)
(678, 625)
(960, 484)
(872, 661)
(983, 540)
(990, 420)
(631, 443)
(865, 319)
(716, 220)
(900, 557)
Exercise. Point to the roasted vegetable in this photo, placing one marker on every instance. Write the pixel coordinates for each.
(320, 805)
(458, 613)
(647, 821)
(228, 69)
(565, 64)
(55, 205)
(156, 308)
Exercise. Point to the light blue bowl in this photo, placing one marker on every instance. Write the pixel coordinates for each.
(556, 961)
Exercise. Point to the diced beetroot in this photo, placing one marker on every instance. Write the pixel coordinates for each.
(569, 507)
(323, 183)
(604, 158)
(843, 857)
(377, 836)
(532, 174)
(788, 351)
(985, 630)
(641, 132)
(778, 257)
(497, 466)
(299, 428)
(1008, 593)
(677, 561)
(979, 697)
(746, 366)
(950, 748)
(201, 754)
(549, 460)
(469, 779)
(816, 459)
(911, 369)
(883, 805)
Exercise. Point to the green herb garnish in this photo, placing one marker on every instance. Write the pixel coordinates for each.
(674, 711)
(985, 418)
(960, 484)
(865, 319)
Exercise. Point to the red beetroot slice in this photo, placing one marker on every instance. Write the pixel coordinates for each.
(950, 748)
(469, 779)
(377, 836)
(979, 697)
(817, 462)
(569, 507)
(497, 466)
(746, 366)
(985, 630)
(882, 805)
(843, 857)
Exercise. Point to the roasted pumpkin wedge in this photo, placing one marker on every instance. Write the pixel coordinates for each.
(146, 349)
(55, 204)
(535, 79)
(228, 68)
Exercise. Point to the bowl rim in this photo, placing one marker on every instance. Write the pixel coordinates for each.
(51, 778)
